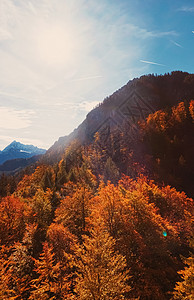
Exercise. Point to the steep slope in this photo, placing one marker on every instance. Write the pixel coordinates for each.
(133, 102)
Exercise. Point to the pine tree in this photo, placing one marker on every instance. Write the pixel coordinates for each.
(111, 172)
(62, 173)
(101, 273)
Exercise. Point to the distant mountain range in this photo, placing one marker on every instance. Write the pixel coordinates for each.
(18, 155)
(13, 166)
(131, 103)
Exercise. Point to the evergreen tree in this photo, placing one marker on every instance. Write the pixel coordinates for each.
(111, 172)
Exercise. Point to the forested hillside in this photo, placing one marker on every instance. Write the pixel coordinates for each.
(134, 101)
(109, 219)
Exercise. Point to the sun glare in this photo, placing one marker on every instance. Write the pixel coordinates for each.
(55, 44)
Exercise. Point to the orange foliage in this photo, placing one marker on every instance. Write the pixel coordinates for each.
(50, 282)
(131, 214)
(12, 220)
(191, 109)
(61, 240)
(42, 178)
(158, 121)
(150, 224)
(179, 112)
(74, 211)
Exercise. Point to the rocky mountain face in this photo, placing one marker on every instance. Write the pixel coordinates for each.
(133, 102)
(18, 150)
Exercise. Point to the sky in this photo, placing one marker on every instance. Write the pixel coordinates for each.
(60, 58)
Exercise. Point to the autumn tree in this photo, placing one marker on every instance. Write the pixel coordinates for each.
(41, 208)
(74, 211)
(139, 230)
(49, 284)
(94, 158)
(16, 265)
(40, 215)
(5, 274)
(25, 187)
(184, 290)
(173, 206)
(12, 220)
(20, 270)
(191, 109)
(61, 240)
(101, 272)
(42, 178)
(168, 140)
(108, 204)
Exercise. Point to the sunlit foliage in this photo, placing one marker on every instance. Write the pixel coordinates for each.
(95, 226)
(184, 290)
(100, 272)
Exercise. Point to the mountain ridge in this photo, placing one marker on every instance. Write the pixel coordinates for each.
(131, 103)
(17, 150)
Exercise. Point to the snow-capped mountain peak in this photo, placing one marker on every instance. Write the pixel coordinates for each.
(19, 150)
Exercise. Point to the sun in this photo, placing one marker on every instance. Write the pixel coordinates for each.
(55, 44)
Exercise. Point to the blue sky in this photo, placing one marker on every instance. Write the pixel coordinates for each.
(59, 58)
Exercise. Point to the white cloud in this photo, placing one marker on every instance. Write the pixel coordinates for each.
(54, 56)
(14, 119)
(52, 45)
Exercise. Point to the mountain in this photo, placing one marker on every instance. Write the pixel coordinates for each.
(12, 166)
(131, 103)
(17, 150)
(128, 176)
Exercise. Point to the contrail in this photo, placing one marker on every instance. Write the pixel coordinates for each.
(176, 44)
(151, 63)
